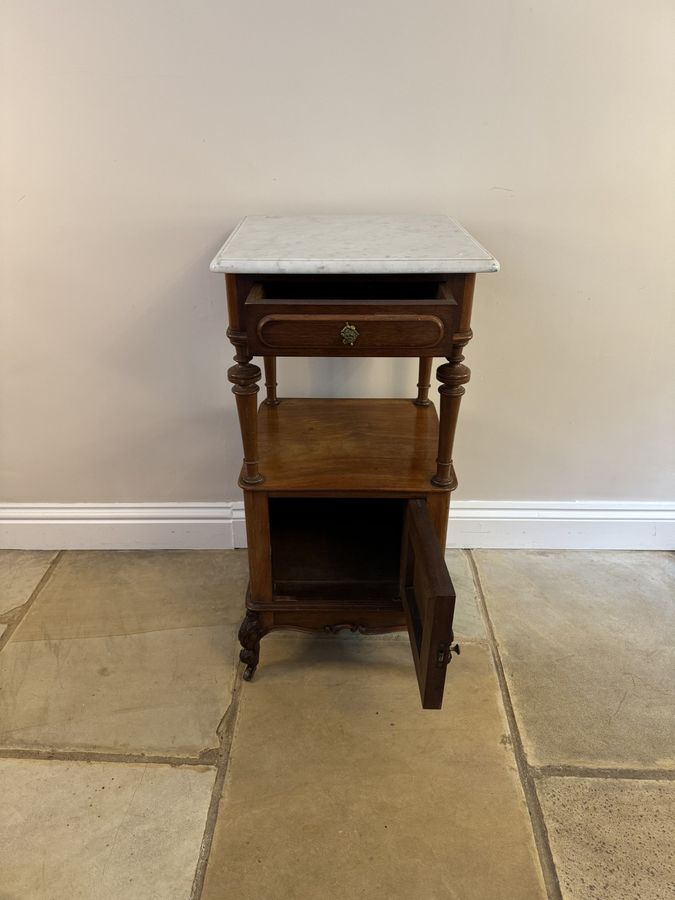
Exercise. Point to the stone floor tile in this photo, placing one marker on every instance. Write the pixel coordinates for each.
(611, 838)
(79, 831)
(161, 692)
(340, 785)
(20, 573)
(586, 640)
(97, 593)
(468, 623)
(126, 651)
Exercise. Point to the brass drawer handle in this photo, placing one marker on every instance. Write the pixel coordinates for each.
(349, 334)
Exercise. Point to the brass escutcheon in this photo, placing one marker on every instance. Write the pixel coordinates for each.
(349, 334)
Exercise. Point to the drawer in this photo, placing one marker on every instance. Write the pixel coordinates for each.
(352, 326)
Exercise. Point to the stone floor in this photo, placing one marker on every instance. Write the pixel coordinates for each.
(135, 763)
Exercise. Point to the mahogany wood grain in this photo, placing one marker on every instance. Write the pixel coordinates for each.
(438, 509)
(348, 445)
(307, 331)
(258, 538)
(429, 602)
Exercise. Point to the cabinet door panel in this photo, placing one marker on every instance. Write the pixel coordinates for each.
(429, 602)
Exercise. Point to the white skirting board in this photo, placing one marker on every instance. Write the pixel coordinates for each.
(122, 526)
(545, 525)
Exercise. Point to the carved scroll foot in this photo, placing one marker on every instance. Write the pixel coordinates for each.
(250, 634)
(249, 670)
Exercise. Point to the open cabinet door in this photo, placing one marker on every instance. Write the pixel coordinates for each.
(429, 601)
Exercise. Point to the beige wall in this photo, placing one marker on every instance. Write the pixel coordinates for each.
(137, 134)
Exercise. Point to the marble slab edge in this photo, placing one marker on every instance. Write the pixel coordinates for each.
(354, 267)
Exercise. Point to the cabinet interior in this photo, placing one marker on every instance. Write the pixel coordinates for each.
(328, 547)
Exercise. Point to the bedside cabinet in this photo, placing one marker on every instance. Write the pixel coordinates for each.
(347, 500)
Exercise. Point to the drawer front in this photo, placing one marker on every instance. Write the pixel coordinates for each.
(337, 328)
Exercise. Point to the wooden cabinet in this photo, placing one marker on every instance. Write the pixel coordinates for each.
(347, 500)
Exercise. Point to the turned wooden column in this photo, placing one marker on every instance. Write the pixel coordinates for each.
(453, 375)
(424, 382)
(244, 377)
(271, 380)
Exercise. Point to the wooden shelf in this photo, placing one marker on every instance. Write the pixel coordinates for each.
(311, 445)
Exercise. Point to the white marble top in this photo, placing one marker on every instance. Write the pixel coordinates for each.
(343, 244)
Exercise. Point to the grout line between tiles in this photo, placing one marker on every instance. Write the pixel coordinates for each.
(225, 732)
(599, 772)
(205, 758)
(525, 772)
(7, 636)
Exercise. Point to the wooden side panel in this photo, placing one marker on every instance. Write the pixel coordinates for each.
(259, 545)
(438, 507)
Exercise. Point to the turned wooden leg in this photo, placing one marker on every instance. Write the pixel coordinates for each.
(453, 375)
(424, 382)
(250, 634)
(244, 376)
(271, 380)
